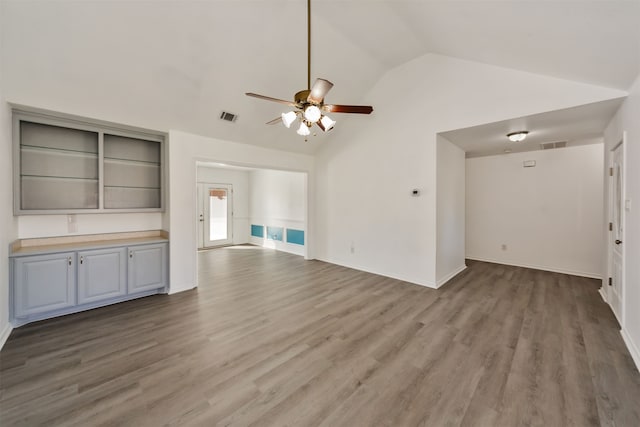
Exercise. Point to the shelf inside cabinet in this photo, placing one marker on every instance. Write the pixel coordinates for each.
(69, 164)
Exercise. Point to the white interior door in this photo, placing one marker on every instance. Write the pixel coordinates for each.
(617, 224)
(217, 214)
(200, 212)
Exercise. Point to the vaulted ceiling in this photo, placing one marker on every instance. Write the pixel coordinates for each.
(179, 64)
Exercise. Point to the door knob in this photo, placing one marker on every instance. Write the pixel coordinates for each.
(618, 241)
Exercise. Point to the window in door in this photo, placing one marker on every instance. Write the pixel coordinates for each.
(217, 214)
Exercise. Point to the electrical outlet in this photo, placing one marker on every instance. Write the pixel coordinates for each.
(504, 247)
(72, 223)
(352, 249)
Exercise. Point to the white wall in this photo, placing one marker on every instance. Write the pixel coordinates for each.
(8, 226)
(56, 225)
(185, 150)
(626, 120)
(365, 172)
(239, 179)
(277, 198)
(548, 216)
(450, 211)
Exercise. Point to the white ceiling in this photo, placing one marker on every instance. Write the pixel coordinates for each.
(575, 126)
(178, 64)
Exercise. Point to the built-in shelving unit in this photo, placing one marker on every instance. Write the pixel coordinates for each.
(65, 165)
(132, 173)
(58, 167)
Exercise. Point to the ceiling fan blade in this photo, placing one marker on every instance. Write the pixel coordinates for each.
(274, 121)
(268, 98)
(357, 109)
(319, 90)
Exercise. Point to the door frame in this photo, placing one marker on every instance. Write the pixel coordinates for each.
(622, 145)
(202, 213)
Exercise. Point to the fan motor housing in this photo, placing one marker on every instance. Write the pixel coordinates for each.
(300, 98)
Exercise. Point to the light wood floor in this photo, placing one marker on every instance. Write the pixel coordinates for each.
(270, 339)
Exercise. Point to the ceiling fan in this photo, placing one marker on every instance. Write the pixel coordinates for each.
(309, 104)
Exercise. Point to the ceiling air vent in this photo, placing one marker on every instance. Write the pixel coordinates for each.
(229, 117)
(551, 145)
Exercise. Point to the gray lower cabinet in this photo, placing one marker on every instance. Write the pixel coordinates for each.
(44, 283)
(147, 267)
(57, 283)
(102, 274)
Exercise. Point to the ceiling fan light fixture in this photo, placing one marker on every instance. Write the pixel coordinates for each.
(303, 130)
(327, 123)
(517, 136)
(312, 113)
(309, 103)
(288, 118)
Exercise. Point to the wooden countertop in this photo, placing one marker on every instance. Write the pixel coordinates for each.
(48, 245)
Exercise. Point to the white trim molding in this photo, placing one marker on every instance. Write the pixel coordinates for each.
(633, 348)
(451, 275)
(538, 267)
(603, 294)
(4, 335)
(400, 277)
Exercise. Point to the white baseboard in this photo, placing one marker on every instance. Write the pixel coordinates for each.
(4, 335)
(605, 298)
(538, 267)
(451, 275)
(379, 273)
(175, 290)
(633, 348)
(603, 294)
(290, 248)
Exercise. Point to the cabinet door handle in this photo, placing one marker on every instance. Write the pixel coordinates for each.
(81, 259)
(130, 254)
(69, 260)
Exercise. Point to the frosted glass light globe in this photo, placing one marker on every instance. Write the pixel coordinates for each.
(312, 113)
(303, 130)
(288, 118)
(327, 123)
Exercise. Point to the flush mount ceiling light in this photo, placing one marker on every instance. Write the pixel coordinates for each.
(309, 104)
(517, 136)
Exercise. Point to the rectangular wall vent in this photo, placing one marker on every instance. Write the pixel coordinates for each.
(229, 117)
(552, 145)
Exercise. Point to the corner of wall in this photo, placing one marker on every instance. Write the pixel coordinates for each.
(8, 227)
(443, 280)
(450, 210)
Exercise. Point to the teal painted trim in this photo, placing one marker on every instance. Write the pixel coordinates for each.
(295, 236)
(274, 233)
(257, 230)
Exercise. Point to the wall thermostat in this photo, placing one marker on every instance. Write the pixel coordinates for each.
(415, 192)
